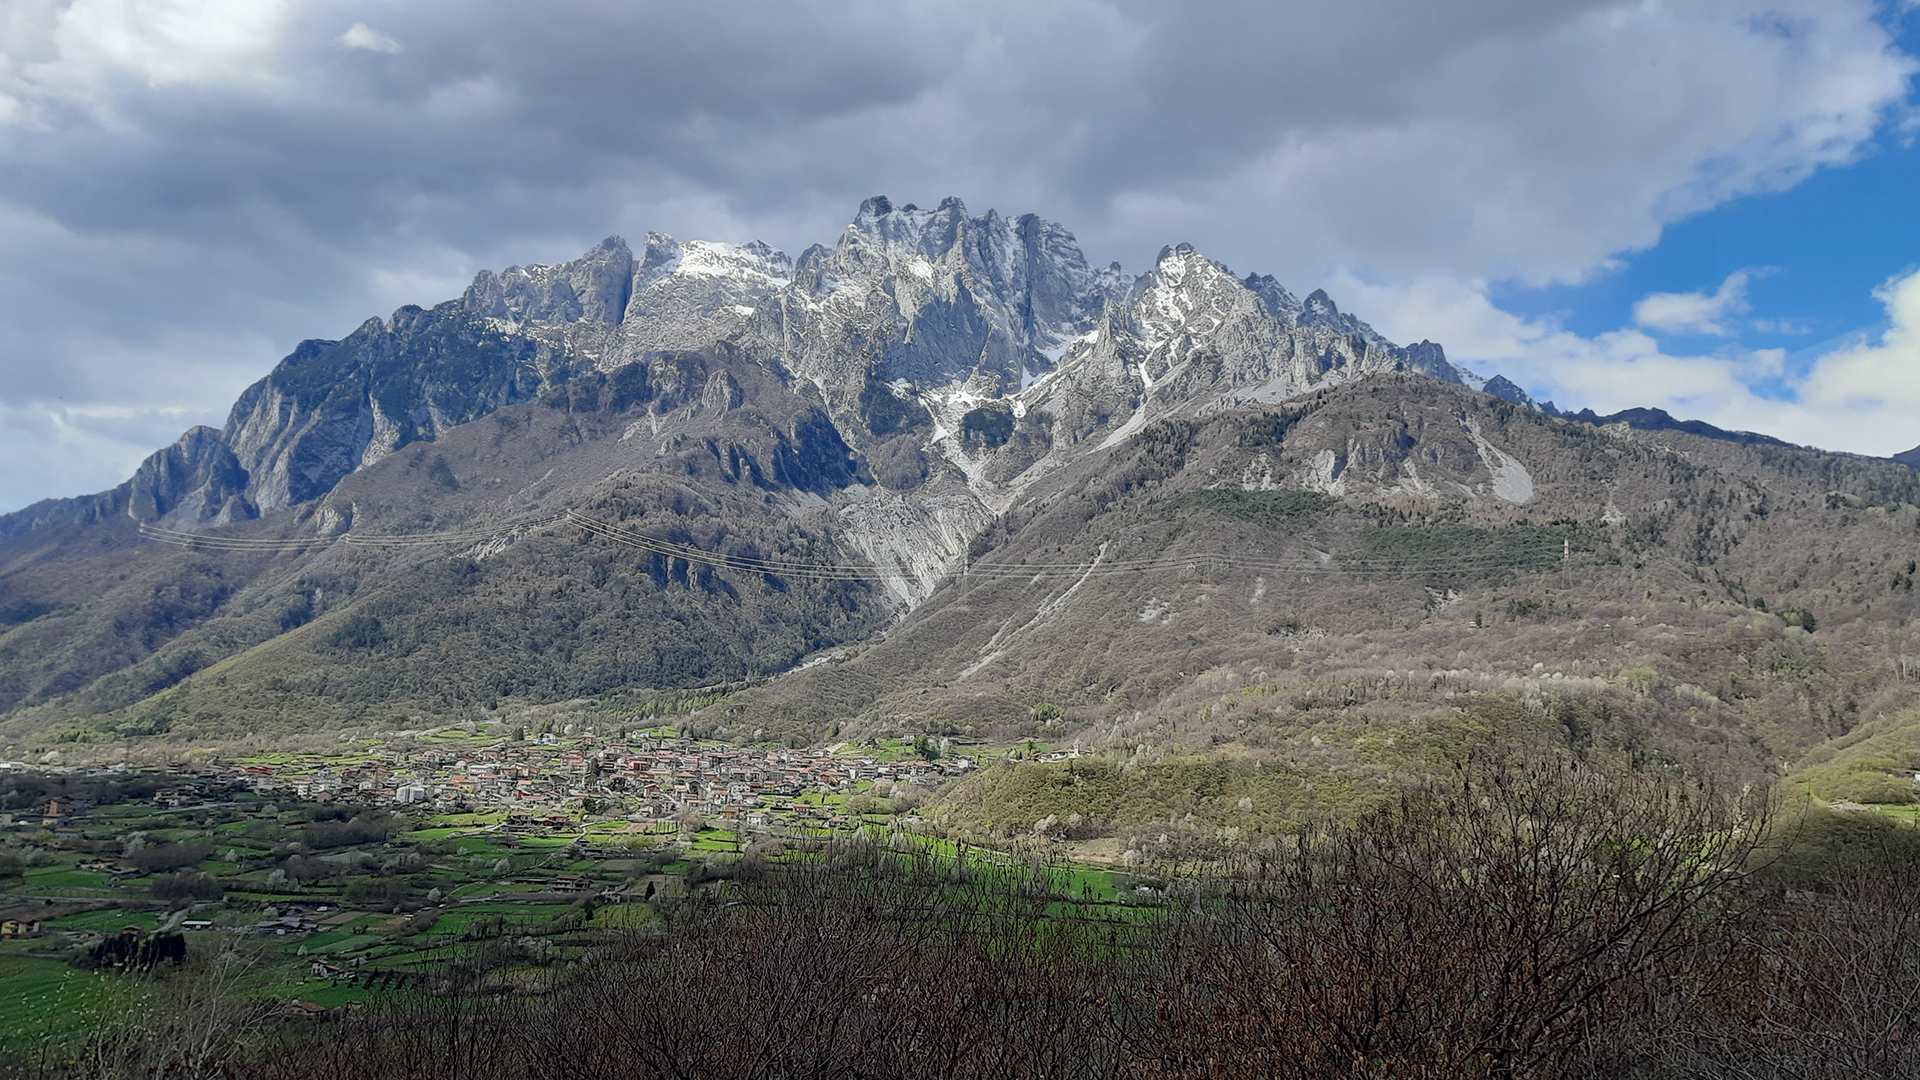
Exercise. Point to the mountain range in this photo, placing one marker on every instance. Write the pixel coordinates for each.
(946, 477)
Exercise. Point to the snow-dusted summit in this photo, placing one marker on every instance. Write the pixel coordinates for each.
(1191, 336)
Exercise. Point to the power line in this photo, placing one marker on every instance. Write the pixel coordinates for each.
(465, 536)
(1100, 568)
(216, 542)
(1531, 557)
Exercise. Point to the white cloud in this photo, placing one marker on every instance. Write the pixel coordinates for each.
(90, 52)
(1493, 138)
(232, 171)
(1695, 313)
(1863, 397)
(1608, 372)
(1523, 149)
(1878, 378)
(362, 36)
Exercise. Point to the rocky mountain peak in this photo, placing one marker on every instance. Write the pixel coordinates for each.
(1319, 312)
(688, 296)
(1428, 358)
(593, 287)
(659, 257)
(1318, 305)
(907, 229)
(1280, 303)
(1178, 260)
(936, 298)
(1187, 293)
(1502, 387)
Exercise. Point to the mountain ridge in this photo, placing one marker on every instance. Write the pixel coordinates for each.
(969, 307)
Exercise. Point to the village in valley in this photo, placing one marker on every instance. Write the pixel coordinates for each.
(644, 775)
(335, 872)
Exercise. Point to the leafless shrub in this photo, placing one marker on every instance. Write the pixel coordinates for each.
(187, 885)
(188, 1028)
(1485, 928)
(1817, 982)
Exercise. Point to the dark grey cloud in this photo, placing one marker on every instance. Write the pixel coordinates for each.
(188, 187)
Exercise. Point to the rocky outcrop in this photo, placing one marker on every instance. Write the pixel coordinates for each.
(331, 407)
(197, 479)
(933, 298)
(594, 287)
(688, 296)
(1191, 337)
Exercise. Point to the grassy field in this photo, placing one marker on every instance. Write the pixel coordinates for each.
(45, 1000)
(109, 920)
(716, 840)
(61, 877)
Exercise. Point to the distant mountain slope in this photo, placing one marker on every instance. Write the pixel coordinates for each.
(1005, 491)
(1660, 420)
(278, 628)
(1372, 553)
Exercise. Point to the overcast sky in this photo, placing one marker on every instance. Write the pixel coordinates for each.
(1704, 206)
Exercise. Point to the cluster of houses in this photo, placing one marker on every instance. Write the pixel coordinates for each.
(635, 775)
